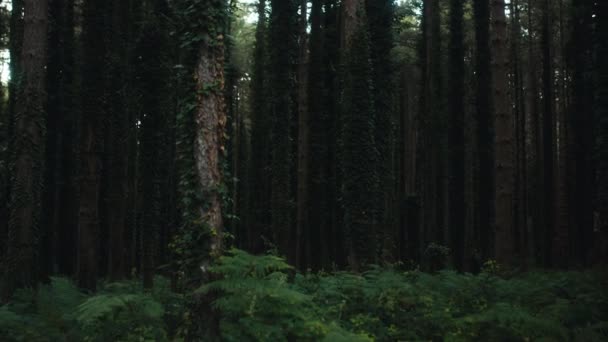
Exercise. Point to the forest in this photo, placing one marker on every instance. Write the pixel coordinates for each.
(303, 170)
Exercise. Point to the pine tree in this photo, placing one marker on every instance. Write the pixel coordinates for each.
(380, 15)
(359, 155)
(303, 175)
(548, 133)
(152, 75)
(282, 43)
(118, 137)
(581, 119)
(504, 168)
(91, 140)
(483, 96)
(260, 135)
(456, 134)
(26, 186)
(59, 229)
(601, 47)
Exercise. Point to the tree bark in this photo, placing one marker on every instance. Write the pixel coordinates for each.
(91, 141)
(210, 119)
(303, 140)
(26, 185)
(456, 135)
(504, 168)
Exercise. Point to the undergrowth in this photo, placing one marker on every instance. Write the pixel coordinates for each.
(261, 298)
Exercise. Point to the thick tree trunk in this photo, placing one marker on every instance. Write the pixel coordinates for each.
(29, 145)
(210, 119)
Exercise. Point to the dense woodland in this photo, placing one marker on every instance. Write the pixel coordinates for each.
(288, 170)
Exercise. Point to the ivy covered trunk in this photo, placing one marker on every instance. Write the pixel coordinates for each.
(29, 145)
(210, 119)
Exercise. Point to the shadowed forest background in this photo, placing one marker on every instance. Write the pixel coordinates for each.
(288, 170)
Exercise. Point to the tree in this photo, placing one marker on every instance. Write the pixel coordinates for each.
(504, 168)
(601, 46)
(152, 75)
(282, 43)
(91, 140)
(581, 122)
(485, 182)
(118, 63)
(359, 155)
(547, 129)
(210, 120)
(380, 14)
(260, 134)
(29, 130)
(303, 178)
(456, 134)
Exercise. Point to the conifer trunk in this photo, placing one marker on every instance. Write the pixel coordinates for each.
(29, 131)
(504, 167)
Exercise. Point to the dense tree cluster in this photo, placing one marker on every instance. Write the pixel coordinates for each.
(146, 137)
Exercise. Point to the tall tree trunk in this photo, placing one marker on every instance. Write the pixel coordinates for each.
(26, 185)
(456, 135)
(504, 168)
(15, 45)
(210, 122)
(582, 133)
(282, 35)
(303, 140)
(119, 136)
(601, 39)
(260, 144)
(380, 14)
(359, 155)
(548, 140)
(91, 141)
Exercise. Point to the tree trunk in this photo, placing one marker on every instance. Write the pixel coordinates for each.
(119, 136)
(504, 168)
(26, 186)
(91, 141)
(282, 43)
(583, 139)
(548, 140)
(303, 140)
(601, 233)
(210, 120)
(456, 135)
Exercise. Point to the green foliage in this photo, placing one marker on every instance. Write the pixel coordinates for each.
(391, 305)
(261, 298)
(119, 312)
(256, 302)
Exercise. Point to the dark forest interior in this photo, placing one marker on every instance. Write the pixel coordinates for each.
(303, 170)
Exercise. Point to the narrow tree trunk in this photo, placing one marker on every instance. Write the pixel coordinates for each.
(548, 140)
(119, 132)
(91, 142)
(303, 140)
(601, 236)
(504, 168)
(456, 135)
